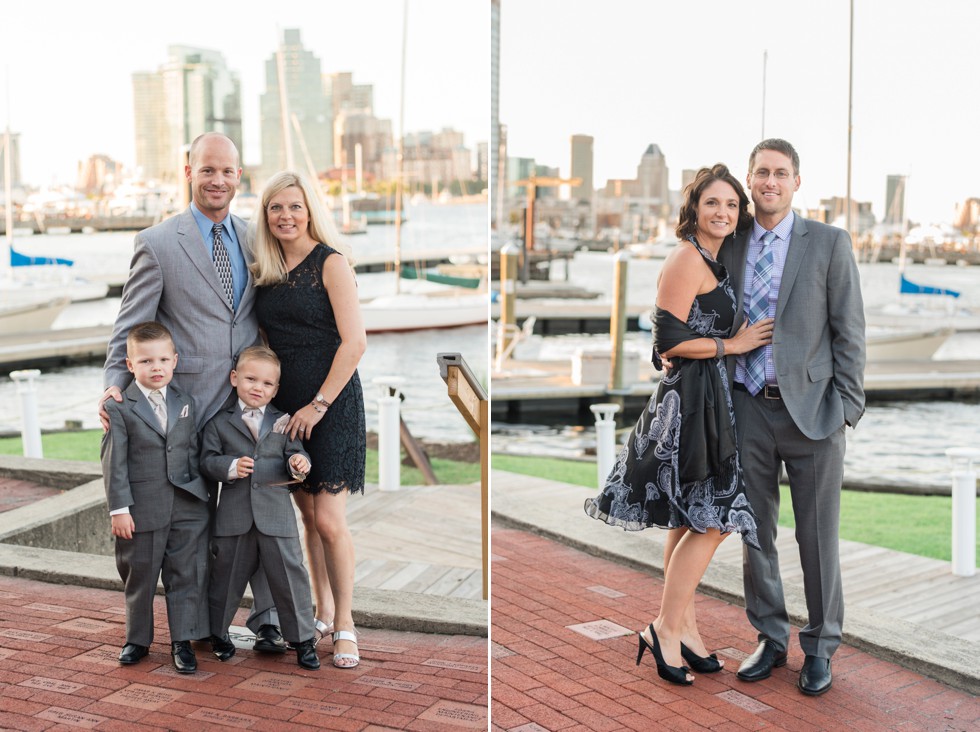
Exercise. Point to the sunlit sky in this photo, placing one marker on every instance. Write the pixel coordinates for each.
(69, 65)
(688, 76)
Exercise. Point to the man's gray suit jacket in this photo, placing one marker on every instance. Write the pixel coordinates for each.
(818, 343)
(172, 280)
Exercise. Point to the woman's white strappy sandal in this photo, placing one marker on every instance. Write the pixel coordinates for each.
(321, 630)
(345, 660)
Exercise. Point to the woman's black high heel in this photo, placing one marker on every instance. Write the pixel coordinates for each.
(701, 664)
(673, 674)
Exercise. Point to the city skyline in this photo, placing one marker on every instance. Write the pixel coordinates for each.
(73, 98)
(689, 78)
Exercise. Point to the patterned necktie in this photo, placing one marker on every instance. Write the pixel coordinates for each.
(159, 408)
(222, 263)
(758, 308)
(252, 419)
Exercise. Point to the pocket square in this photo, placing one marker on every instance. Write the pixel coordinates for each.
(279, 426)
(185, 411)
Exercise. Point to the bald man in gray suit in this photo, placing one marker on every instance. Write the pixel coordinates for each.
(174, 279)
(792, 404)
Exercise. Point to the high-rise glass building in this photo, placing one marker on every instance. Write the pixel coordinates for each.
(306, 100)
(192, 93)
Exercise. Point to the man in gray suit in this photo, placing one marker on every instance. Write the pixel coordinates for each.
(157, 502)
(792, 401)
(190, 273)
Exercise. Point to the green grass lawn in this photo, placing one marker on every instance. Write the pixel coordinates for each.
(85, 446)
(915, 524)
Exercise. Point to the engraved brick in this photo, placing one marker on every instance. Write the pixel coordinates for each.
(499, 651)
(380, 648)
(169, 671)
(530, 727)
(745, 702)
(497, 558)
(469, 716)
(42, 682)
(48, 608)
(103, 655)
(600, 630)
(4, 595)
(224, 718)
(271, 683)
(455, 665)
(85, 625)
(734, 653)
(309, 705)
(6, 652)
(607, 591)
(387, 683)
(71, 717)
(114, 610)
(23, 634)
(143, 697)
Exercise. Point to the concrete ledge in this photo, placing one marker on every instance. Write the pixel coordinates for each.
(72, 521)
(64, 474)
(375, 608)
(951, 660)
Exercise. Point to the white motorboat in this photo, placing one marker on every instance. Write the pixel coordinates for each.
(905, 345)
(447, 308)
(31, 316)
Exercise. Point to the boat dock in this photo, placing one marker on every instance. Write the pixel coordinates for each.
(524, 387)
(53, 347)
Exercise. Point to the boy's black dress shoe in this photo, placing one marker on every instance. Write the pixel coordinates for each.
(815, 676)
(268, 639)
(131, 653)
(760, 664)
(222, 647)
(184, 659)
(306, 655)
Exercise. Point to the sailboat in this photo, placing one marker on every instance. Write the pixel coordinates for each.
(429, 306)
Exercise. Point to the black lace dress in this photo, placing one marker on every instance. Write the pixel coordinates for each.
(299, 323)
(658, 479)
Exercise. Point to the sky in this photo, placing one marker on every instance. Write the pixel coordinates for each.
(688, 76)
(67, 65)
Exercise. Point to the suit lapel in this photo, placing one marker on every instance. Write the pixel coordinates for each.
(241, 230)
(236, 420)
(189, 239)
(268, 419)
(798, 244)
(143, 409)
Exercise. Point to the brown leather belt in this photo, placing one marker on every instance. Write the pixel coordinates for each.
(768, 392)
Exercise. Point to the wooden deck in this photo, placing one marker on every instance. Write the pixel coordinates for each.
(423, 539)
(892, 584)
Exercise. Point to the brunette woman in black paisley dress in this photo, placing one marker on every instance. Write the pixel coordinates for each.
(308, 309)
(679, 469)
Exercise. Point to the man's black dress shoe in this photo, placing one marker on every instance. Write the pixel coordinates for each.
(269, 639)
(306, 655)
(760, 664)
(184, 659)
(815, 676)
(131, 653)
(222, 647)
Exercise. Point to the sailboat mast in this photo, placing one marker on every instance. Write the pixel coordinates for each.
(401, 157)
(8, 204)
(765, 59)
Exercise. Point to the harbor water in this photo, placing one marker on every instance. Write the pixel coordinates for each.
(897, 443)
(72, 393)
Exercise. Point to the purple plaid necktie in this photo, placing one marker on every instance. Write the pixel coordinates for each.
(758, 308)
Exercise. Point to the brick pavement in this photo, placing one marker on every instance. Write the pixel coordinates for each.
(58, 670)
(549, 676)
(15, 493)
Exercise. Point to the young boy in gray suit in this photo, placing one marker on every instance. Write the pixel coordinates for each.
(245, 446)
(157, 501)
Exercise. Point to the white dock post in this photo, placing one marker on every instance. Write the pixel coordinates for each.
(389, 433)
(964, 559)
(508, 299)
(31, 428)
(605, 439)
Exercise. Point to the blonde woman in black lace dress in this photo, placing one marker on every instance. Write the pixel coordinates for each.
(308, 309)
